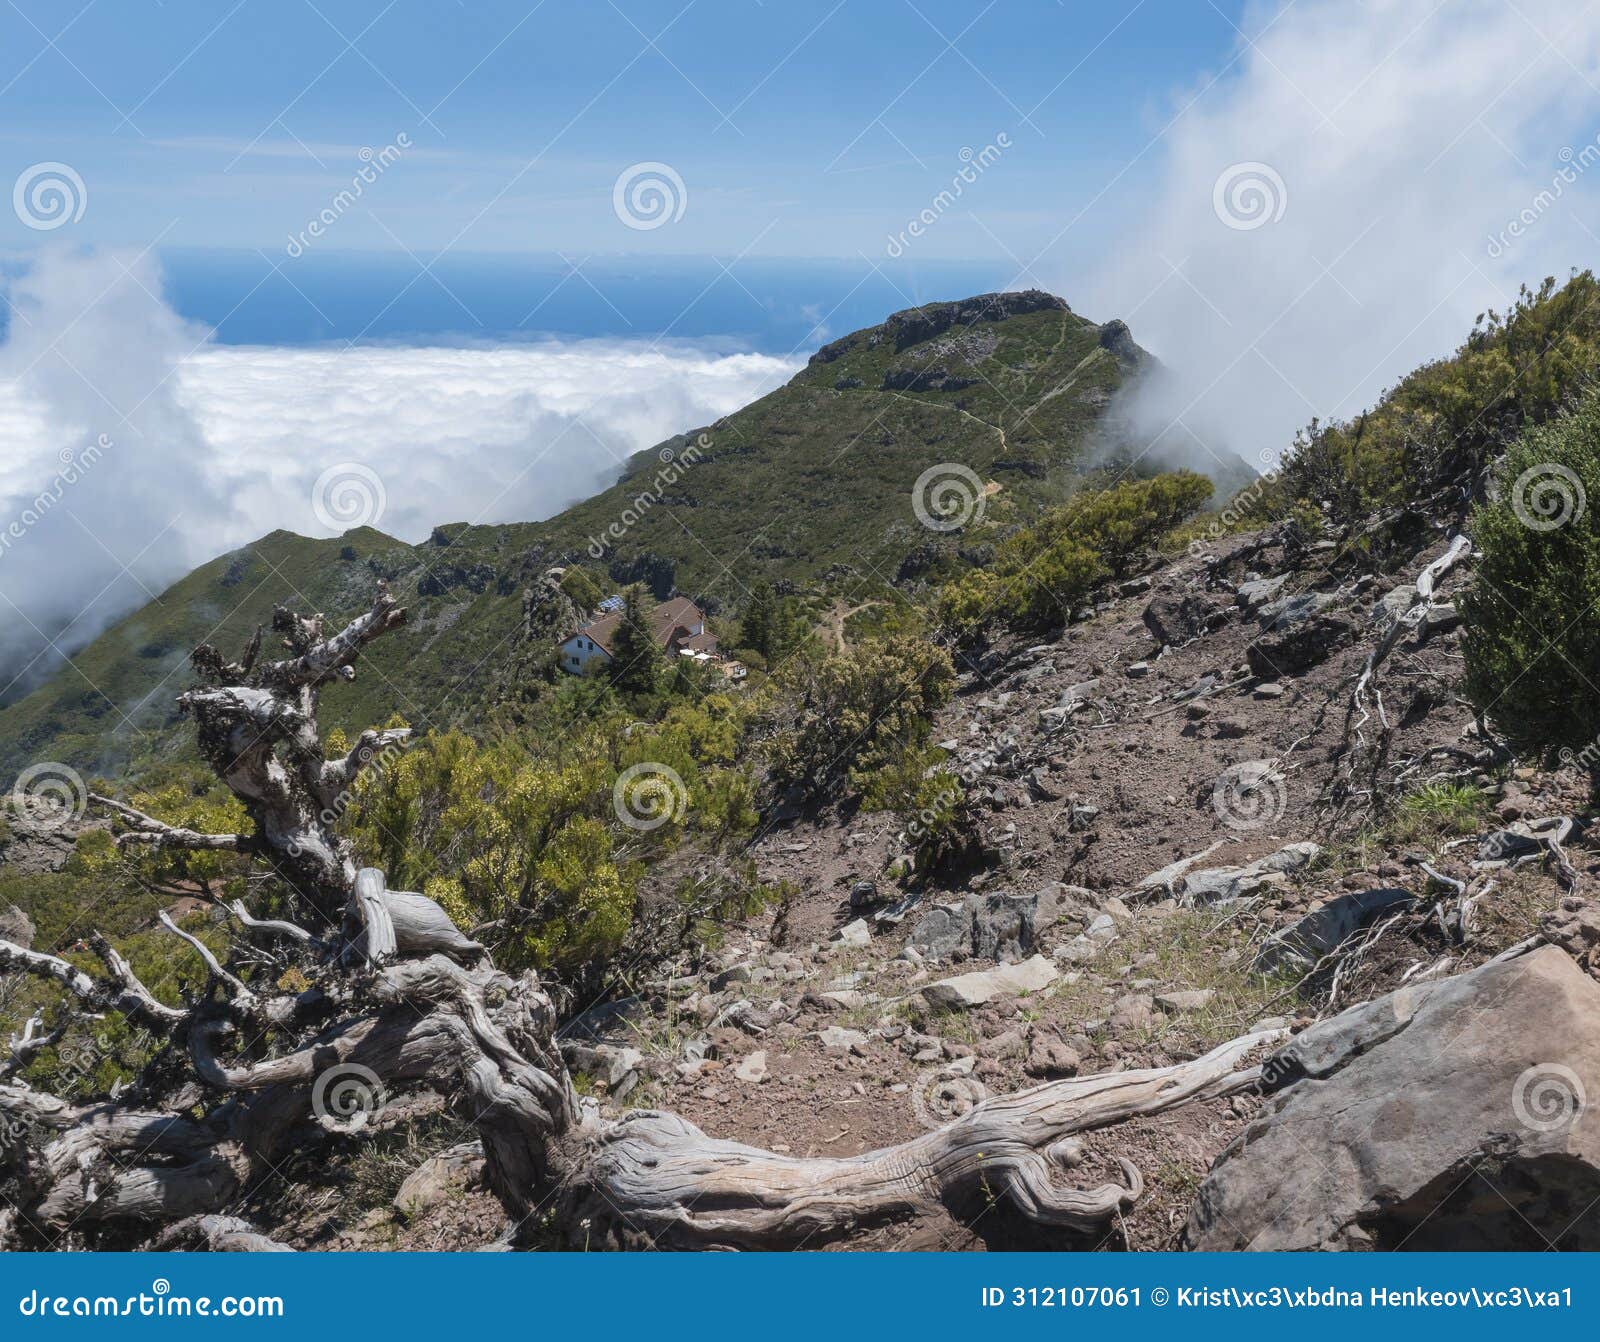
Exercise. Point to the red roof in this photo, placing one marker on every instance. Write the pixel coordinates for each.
(671, 618)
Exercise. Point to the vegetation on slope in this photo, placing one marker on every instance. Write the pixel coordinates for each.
(1041, 574)
(808, 490)
(1443, 424)
(1532, 642)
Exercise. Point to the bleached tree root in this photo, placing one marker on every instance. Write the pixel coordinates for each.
(649, 1179)
(657, 1177)
(219, 1234)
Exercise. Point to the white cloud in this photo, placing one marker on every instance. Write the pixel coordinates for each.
(512, 433)
(211, 446)
(1406, 135)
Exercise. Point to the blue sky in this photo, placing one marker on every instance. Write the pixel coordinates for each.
(484, 251)
(810, 128)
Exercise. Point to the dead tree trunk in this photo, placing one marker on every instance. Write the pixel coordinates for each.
(648, 1179)
(400, 998)
(257, 729)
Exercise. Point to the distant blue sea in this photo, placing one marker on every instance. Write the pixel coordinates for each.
(769, 306)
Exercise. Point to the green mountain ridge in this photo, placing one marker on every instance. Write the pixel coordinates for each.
(811, 483)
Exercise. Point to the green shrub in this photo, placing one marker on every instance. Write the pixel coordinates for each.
(772, 625)
(1041, 574)
(542, 834)
(1447, 420)
(637, 661)
(1532, 639)
(844, 717)
(577, 583)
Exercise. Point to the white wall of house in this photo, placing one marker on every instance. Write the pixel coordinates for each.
(577, 652)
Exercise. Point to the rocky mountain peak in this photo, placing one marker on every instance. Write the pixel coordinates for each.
(912, 326)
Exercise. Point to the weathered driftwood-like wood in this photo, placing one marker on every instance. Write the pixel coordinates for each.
(658, 1178)
(220, 1234)
(401, 1000)
(1362, 760)
(257, 728)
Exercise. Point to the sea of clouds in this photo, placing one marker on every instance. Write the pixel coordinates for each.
(135, 449)
(1319, 215)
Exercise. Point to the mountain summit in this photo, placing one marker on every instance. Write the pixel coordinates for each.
(813, 482)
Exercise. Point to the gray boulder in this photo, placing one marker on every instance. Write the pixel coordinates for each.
(1049, 1055)
(446, 1175)
(1326, 928)
(1440, 618)
(1448, 1115)
(16, 927)
(866, 895)
(1288, 611)
(1222, 885)
(1173, 619)
(996, 926)
(973, 990)
(1301, 645)
(942, 931)
(1394, 607)
(617, 1068)
(1259, 591)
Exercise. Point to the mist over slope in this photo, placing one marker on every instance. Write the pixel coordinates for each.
(1335, 204)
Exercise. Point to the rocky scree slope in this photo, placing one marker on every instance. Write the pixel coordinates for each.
(1181, 847)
